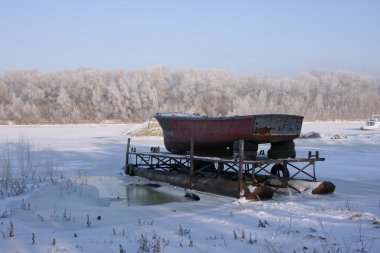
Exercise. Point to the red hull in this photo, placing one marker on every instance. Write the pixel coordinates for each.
(217, 134)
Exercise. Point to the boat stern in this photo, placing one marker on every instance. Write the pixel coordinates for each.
(276, 127)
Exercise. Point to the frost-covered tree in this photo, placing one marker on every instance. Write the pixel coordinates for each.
(93, 95)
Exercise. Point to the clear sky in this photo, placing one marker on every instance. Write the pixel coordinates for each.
(277, 38)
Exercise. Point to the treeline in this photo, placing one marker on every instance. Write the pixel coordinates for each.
(93, 95)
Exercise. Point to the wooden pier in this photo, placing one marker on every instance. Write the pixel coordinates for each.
(229, 176)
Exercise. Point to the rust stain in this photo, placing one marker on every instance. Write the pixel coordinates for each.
(264, 130)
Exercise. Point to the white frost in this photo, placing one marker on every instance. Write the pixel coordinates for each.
(92, 156)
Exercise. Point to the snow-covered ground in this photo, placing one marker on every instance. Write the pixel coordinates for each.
(90, 208)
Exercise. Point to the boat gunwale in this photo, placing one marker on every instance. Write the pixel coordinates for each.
(185, 116)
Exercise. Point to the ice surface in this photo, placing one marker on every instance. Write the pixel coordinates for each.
(91, 157)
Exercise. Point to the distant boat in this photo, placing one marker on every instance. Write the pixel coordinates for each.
(372, 124)
(216, 135)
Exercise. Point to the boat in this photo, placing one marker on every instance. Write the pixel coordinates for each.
(218, 135)
(372, 124)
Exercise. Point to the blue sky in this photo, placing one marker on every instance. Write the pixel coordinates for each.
(277, 38)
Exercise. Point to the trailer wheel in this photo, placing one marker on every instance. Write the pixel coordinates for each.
(280, 170)
(130, 170)
(283, 153)
(250, 149)
(283, 149)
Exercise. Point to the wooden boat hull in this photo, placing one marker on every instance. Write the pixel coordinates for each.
(216, 135)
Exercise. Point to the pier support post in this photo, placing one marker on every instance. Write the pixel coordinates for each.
(241, 164)
(127, 153)
(220, 169)
(191, 162)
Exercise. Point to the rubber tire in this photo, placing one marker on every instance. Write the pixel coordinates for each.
(280, 171)
(283, 144)
(283, 149)
(281, 153)
(250, 149)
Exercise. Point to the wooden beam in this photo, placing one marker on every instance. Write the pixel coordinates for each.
(241, 165)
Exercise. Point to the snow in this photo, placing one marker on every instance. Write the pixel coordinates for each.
(90, 158)
(180, 114)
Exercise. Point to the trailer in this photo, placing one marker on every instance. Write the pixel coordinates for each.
(234, 177)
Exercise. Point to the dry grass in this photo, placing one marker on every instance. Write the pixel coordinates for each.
(153, 128)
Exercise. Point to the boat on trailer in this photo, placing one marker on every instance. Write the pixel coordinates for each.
(372, 124)
(218, 135)
(189, 137)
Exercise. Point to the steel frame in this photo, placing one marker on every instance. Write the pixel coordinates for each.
(237, 169)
